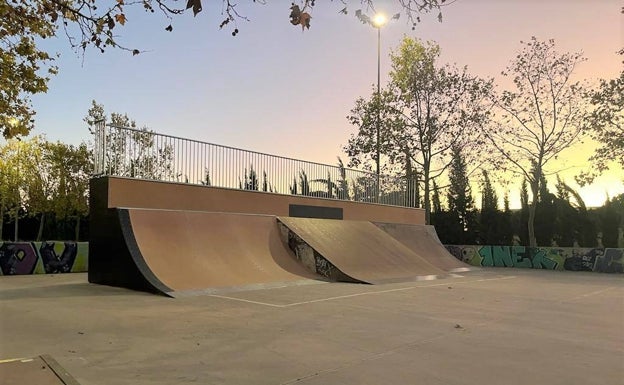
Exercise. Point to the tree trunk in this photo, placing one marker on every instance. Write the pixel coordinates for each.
(412, 183)
(532, 210)
(77, 228)
(41, 222)
(16, 228)
(427, 199)
(1, 221)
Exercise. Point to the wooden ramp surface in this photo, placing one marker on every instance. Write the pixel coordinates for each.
(361, 250)
(192, 251)
(423, 240)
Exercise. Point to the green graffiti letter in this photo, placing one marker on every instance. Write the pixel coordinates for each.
(486, 256)
(502, 256)
(519, 257)
(541, 261)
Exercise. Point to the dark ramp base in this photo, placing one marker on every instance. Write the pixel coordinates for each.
(362, 251)
(423, 240)
(42, 370)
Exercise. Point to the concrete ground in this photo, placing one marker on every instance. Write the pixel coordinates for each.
(499, 326)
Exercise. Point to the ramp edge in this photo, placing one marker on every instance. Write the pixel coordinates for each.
(60, 372)
(135, 252)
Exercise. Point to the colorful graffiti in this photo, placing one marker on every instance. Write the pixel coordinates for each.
(20, 258)
(551, 258)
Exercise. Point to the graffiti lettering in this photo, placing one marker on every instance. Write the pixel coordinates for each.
(550, 258)
(19, 258)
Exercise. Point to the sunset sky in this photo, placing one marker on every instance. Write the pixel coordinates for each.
(276, 89)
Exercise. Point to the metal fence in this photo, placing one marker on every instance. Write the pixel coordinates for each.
(129, 152)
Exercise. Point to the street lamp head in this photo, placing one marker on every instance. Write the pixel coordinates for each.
(379, 20)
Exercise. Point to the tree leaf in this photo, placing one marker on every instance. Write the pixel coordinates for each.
(121, 18)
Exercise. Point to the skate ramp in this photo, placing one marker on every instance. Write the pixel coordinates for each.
(423, 240)
(185, 252)
(361, 250)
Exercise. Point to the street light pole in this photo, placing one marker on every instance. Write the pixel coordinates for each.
(378, 21)
(378, 106)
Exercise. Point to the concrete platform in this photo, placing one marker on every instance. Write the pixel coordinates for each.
(502, 326)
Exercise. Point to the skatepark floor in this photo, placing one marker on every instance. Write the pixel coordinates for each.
(493, 326)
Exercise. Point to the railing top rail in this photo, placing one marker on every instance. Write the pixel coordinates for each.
(237, 149)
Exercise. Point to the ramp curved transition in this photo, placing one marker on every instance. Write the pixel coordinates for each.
(191, 251)
(361, 250)
(424, 240)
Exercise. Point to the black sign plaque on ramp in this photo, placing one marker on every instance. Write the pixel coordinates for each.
(322, 212)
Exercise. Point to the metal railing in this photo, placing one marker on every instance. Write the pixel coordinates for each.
(129, 152)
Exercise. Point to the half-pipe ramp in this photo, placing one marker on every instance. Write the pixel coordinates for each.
(423, 240)
(361, 250)
(180, 252)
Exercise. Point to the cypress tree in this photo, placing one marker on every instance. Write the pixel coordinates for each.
(460, 202)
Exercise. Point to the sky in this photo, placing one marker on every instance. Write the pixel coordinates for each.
(278, 90)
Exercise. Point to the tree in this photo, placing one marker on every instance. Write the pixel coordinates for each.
(605, 124)
(342, 189)
(69, 167)
(489, 219)
(11, 183)
(426, 110)
(435, 199)
(303, 184)
(611, 219)
(328, 185)
(545, 222)
(40, 179)
(25, 68)
(572, 225)
(251, 180)
(129, 151)
(540, 118)
(38, 183)
(505, 226)
(522, 217)
(460, 201)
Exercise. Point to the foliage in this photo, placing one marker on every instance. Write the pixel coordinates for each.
(538, 120)
(12, 182)
(460, 201)
(435, 199)
(425, 111)
(572, 224)
(251, 180)
(610, 220)
(546, 219)
(24, 68)
(38, 181)
(342, 189)
(132, 152)
(605, 124)
(69, 168)
(489, 218)
(206, 181)
(266, 186)
(43, 179)
(505, 225)
(303, 186)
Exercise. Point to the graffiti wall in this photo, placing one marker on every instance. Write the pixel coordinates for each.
(552, 258)
(19, 258)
